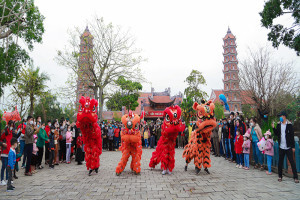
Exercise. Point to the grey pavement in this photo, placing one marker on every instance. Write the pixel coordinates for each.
(225, 182)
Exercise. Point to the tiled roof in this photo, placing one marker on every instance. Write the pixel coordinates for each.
(161, 99)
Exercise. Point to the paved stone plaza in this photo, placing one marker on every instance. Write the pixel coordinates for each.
(225, 182)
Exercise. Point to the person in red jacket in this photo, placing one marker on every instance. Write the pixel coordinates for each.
(47, 152)
(6, 137)
(238, 148)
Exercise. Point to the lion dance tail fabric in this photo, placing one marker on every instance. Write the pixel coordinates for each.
(165, 150)
(199, 145)
(87, 122)
(131, 144)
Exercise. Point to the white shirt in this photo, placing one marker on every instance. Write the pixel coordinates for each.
(283, 139)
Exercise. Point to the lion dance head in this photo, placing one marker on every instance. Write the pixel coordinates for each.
(131, 123)
(205, 114)
(172, 120)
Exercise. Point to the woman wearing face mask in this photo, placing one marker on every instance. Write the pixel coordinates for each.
(42, 138)
(5, 138)
(256, 135)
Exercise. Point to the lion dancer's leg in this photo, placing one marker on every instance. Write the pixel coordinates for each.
(156, 155)
(168, 161)
(136, 159)
(122, 164)
(206, 155)
(189, 152)
(198, 156)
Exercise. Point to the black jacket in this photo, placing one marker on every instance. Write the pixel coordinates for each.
(51, 141)
(289, 134)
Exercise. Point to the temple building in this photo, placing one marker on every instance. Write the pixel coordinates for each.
(154, 103)
(232, 91)
(86, 63)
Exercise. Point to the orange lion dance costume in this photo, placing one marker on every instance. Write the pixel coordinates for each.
(131, 144)
(87, 122)
(165, 150)
(199, 145)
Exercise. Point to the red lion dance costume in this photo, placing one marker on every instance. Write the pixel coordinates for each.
(199, 145)
(131, 144)
(165, 150)
(87, 122)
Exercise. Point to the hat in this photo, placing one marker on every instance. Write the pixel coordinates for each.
(247, 135)
(282, 113)
(268, 133)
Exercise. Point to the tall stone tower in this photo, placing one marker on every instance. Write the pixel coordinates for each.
(231, 71)
(86, 65)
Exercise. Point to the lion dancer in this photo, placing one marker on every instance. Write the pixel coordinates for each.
(199, 145)
(87, 122)
(165, 150)
(131, 144)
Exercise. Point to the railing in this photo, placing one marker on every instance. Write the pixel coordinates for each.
(285, 163)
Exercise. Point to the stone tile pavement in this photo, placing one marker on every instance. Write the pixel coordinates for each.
(225, 182)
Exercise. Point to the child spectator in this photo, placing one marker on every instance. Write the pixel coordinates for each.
(246, 149)
(269, 151)
(51, 147)
(68, 145)
(6, 138)
(11, 162)
(34, 158)
(79, 153)
(146, 136)
(238, 148)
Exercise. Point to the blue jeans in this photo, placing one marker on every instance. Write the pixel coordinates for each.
(246, 159)
(256, 153)
(68, 152)
(146, 143)
(239, 159)
(22, 145)
(228, 148)
(269, 162)
(4, 166)
(116, 140)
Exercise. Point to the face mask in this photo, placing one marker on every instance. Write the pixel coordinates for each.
(69, 130)
(251, 124)
(25, 123)
(245, 138)
(49, 124)
(266, 137)
(246, 121)
(281, 119)
(52, 131)
(80, 135)
(38, 125)
(34, 123)
(237, 124)
(265, 116)
(31, 122)
(229, 121)
(43, 127)
(10, 128)
(225, 122)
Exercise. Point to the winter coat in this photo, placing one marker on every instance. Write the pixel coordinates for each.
(5, 138)
(68, 137)
(12, 158)
(51, 141)
(29, 131)
(42, 138)
(238, 144)
(215, 132)
(289, 134)
(246, 146)
(269, 149)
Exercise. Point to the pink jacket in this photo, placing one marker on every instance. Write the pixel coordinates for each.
(69, 137)
(35, 149)
(269, 149)
(246, 146)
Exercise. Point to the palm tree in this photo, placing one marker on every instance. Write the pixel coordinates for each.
(32, 83)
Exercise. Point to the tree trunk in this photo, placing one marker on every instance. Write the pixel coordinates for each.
(31, 105)
(101, 101)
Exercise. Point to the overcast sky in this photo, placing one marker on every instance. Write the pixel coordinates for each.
(175, 36)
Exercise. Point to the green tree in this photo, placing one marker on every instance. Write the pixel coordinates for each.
(129, 92)
(248, 111)
(187, 109)
(293, 109)
(113, 102)
(288, 36)
(19, 20)
(32, 84)
(48, 107)
(195, 81)
(219, 110)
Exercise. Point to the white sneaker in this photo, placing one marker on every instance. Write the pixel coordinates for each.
(237, 165)
(3, 182)
(241, 166)
(169, 172)
(164, 172)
